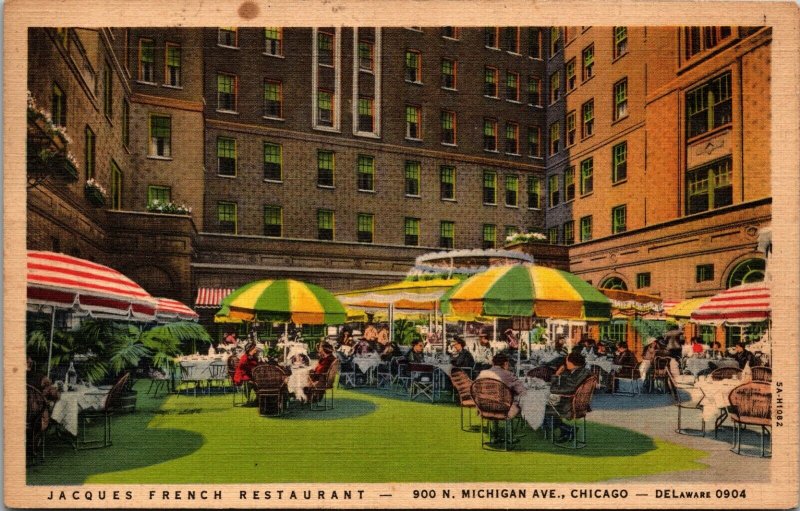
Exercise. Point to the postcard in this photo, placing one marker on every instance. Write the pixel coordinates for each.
(543, 257)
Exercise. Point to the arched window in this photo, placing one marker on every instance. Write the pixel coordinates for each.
(750, 270)
(614, 283)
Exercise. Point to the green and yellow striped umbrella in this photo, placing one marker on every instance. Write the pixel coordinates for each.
(282, 300)
(525, 290)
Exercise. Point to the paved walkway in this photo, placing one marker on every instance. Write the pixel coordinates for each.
(654, 415)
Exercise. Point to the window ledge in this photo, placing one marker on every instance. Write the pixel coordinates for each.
(157, 157)
(366, 191)
(367, 134)
(329, 66)
(407, 196)
(535, 106)
(451, 38)
(493, 204)
(276, 55)
(511, 207)
(512, 154)
(449, 88)
(448, 200)
(515, 101)
(554, 102)
(616, 121)
(227, 47)
(569, 200)
(326, 187)
(587, 137)
(414, 83)
(168, 86)
(413, 139)
(588, 194)
(534, 209)
(329, 129)
(514, 53)
(619, 56)
(494, 151)
(495, 48)
(536, 157)
(274, 181)
(447, 144)
(587, 79)
(491, 97)
(620, 182)
(144, 82)
(365, 70)
(229, 112)
(226, 176)
(540, 59)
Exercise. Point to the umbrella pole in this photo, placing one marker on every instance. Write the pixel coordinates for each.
(52, 332)
(494, 329)
(391, 323)
(286, 340)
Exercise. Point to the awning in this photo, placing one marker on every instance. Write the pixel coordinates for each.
(627, 303)
(748, 303)
(211, 297)
(173, 310)
(684, 309)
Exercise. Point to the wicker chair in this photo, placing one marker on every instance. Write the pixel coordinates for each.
(658, 376)
(751, 403)
(270, 382)
(36, 423)
(238, 390)
(85, 417)
(762, 374)
(494, 402)
(725, 373)
(681, 404)
(462, 384)
(544, 373)
(580, 406)
(317, 391)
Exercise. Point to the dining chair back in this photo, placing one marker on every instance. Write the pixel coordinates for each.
(751, 404)
(544, 373)
(725, 373)
(494, 401)
(762, 374)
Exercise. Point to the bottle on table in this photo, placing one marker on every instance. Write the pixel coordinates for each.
(72, 376)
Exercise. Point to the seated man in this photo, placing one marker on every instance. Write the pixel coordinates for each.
(743, 356)
(483, 353)
(461, 357)
(415, 355)
(566, 381)
(499, 371)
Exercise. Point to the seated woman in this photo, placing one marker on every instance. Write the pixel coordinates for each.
(318, 375)
(244, 368)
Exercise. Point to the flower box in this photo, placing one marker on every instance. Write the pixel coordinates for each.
(95, 196)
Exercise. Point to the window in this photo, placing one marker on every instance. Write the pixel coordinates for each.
(615, 331)
(447, 234)
(621, 99)
(587, 128)
(273, 162)
(126, 123)
(620, 41)
(412, 178)
(489, 187)
(226, 92)
(226, 156)
(273, 221)
(619, 170)
(447, 182)
(227, 217)
(534, 192)
(698, 39)
(619, 219)
(489, 236)
(509, 231)
(555, 40)
(490, 37)
(366, 55)
(552, 235)
(535, 43)
(413, 66)
(366, 173)
(614, 283)
(325, 48)
(490, 81)
(325, 224)
(365, 227)
(162, 194)
(115, 192)
(366, 114)
(709, 106)
(709, 187)
(704, 272)
(552, 189)
(450, 32)
(89, 153)
(227, 36)
(512, 138)
(534, 91)
(273, 38)
(750, 270)
(411, 231)
(586, 228)
(160, 136)
(413, 118)
(489, 135)
(273, 99)
(555, 136)
(449, 74)
(587, 176)
(569, 232)
(325, 166)
(534, 142)
(59, 103)
(146, 59)
(588, 62)
(448, 127)
(571, 129)
(173, 61)
(569, 184)
(642, 280)
(555, 87)
(325, 108)
(512, 86)
(570, 72)
(512, 191)
(108, 92)
(511, 39)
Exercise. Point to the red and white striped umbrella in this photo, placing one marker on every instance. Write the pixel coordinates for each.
(168, 309)
(68, 282)
(748, 303)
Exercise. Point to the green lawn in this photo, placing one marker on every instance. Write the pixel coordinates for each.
(370, 436)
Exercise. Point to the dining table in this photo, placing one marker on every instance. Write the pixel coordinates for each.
(715, 396)
(198, 367)
(533, 402)
(297, 382)
(71, 402)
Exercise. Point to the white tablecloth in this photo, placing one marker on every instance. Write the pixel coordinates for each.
(297, 381)
(366, 363)
(532, 403)
(66, 409)
(603, 363)
(716, 395)
(199, 368)
(696, 365)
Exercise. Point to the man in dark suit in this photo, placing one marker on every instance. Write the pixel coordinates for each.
(461, 357)
(742, 356)
(565, 382)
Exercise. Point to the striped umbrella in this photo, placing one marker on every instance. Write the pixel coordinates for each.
(748, 303)
(172, 310)
(683, 310)
(283, 300)
(525, 290)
